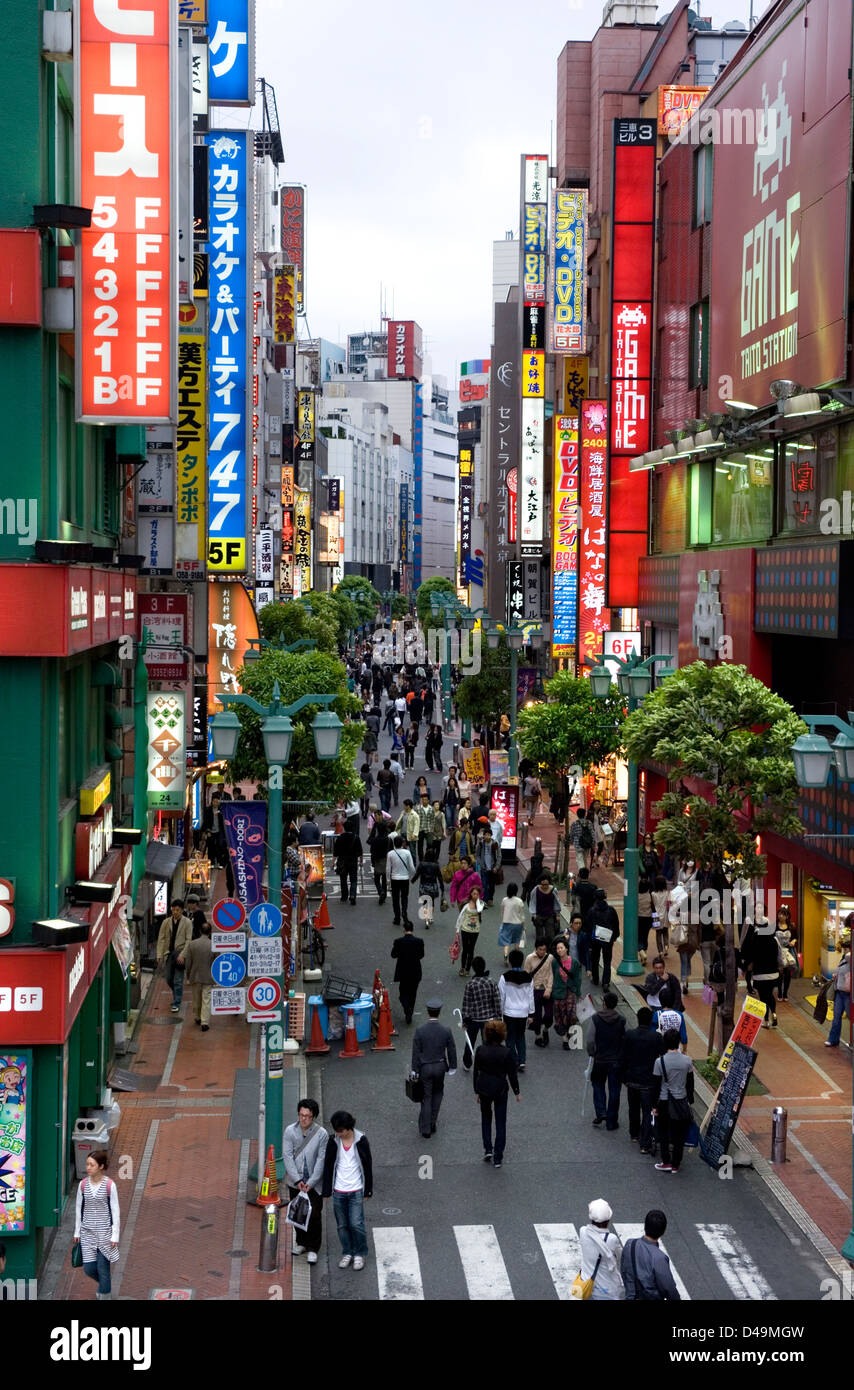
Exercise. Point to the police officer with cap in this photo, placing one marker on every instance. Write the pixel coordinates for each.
(434, 1055)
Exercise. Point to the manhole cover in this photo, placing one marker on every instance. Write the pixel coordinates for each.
(391, 1211)
(171, 1295)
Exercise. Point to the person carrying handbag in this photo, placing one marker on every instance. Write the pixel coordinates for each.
(674, 1073)
(601, 1253)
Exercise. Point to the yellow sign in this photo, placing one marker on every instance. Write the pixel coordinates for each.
(576, 380)
(745, 1030)
(284, 314)
(475, 769)
(228, 556)
(302, 538)
(305, 417)
(190, 449)
(192, 11)
(534, 374)
(93, 796)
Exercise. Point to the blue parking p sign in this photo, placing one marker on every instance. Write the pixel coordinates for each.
(228, 969)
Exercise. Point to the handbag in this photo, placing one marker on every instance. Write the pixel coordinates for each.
(498, 875)
(455, 948)
(678, 934)
(299, 1211)
(583, 1288)
(444, 904)
(77, 1255)
(414, 1088)
(604, 934)
(448, 871)
(709, 995)
(819, 1013)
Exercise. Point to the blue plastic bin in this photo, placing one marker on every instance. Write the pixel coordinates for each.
(316, 1002)
(363, 1010)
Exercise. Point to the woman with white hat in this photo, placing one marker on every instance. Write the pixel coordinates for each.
(601, 1252)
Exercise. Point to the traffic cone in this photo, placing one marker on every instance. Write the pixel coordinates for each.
(351, 1046)
(268, 1193)
(318, 1043)
(384, 1042)
(378, 984)
(321, 916)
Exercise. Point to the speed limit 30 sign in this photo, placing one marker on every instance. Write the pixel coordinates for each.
(264, 993)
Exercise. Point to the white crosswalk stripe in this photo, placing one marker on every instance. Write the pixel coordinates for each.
(735, 1265)
(399, 1272)
(398, 1266)
(633, 1230)
(483, 1264)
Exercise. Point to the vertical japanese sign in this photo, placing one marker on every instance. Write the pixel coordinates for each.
(565, 538)
(302, 543)
(264, 571)
(184, 148)
(245, 832)
(515, 592)
(593, 616)
(127, 288)
(631, 351)
(191, 486)
(417, 480)
(292, 198)
(569, 270)
(231, 624)
(533, 235)
(286, 563)
(229, 342)
(533, 589)
(16, 1077)
(504, 407)
(530, 525)
(576, 376)
(404, 525)
(231, 52)
(305, 436)
(164, 617)
(284, 309)
(167, 750)
(466, 467)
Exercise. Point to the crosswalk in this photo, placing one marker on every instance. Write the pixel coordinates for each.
(487, 1279)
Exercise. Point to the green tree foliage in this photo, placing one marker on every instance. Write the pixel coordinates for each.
(484, 697)
(572, 727)
(284, 623)
(305, 778)
(399, 605)
(363, 594)
(721, 726)
(434, 585)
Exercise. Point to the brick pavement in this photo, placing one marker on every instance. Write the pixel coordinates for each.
(812, 1082)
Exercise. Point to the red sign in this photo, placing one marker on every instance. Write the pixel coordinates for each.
(293, 236)
(512, 504)
(780, 233)
(127, 312)
(93, 840)
(631, 351)
(505, 802)
(20, 277)
(471, 393)
(404, 349)
(593, 615)
(264, 993)
(41, 992)
(79, 608)
(676, 106)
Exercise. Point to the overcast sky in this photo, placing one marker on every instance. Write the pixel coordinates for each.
(406, 121)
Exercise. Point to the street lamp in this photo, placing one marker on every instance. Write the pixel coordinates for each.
(516, 639)
(258, 645)
(813, 757)
(448, 607)
(277, 731)
(634, 679)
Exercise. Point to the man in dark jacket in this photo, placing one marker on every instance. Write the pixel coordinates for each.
(309, 834)
(641, 1049)
(347, 848)
(603, 917)
(605, 1046)
(585, 891)
(434, 1055)
(661, 989)
(408, 952)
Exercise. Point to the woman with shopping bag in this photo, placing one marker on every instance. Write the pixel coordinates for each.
(468, 928)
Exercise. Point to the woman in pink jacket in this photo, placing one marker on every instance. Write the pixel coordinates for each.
(465, 879)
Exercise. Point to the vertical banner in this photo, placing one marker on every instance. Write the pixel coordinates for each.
(284, 305)
(504, 417)
(631, 351)
(404, 526)
(533, 237)
(292, 197)
(184, 163)
(16, 1081)
(466, 484)
(245, 832)
(165, 618)
(264, 570)
(505, 803)
(565, 539)
(302, 542)
(515, 593)
(190, 455)
(531, 482)
(593, 615)
(231, 624)
(305, 435)
(576, 378)
(569, 270)
(167, 750)
(417, 481)
(231, 52)
(229, 343)
(125, 133)
(533, 606)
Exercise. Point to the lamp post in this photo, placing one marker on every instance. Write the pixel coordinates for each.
(256, 646)
(447, 606)
(634, 680)
(516, 639)
(814, 757)
(277, 732)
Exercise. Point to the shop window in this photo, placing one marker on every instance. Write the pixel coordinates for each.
(743, 508)
(809, 473)
(668, 509)
(698, 345)
(703, 157)
(700, 476)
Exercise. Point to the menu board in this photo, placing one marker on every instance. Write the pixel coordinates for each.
(721, 1120)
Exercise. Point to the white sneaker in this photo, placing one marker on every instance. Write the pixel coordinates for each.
(345, 1261)
(299, 1249)
(312, 1257)
(358, 1262)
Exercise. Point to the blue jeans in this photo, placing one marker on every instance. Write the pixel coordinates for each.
(610, 1072)
(175, 981)
(450, 816)
(99, 1269)
(349, 1211)
(385, 798)
(841, 1006)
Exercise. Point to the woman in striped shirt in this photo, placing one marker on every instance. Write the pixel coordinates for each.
(96, 1224)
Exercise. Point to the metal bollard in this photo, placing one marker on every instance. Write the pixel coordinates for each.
(779, 1125)
(523, 834)
(268, 1252)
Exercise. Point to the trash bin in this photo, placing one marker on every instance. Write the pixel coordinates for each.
(89, 1134)
(363, 1012)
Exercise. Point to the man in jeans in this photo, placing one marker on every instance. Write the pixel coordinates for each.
(385, 785)
(581, 839)
(488, 860)
(641, 1050)
(348, 1178)
(605, 1046)
(400, 869)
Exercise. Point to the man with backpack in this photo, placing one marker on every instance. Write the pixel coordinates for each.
(645, 1267)
(581, 839)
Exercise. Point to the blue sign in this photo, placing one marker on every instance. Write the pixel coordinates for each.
(231, 49)
(265, 919)
(228, 969)
(229, 342)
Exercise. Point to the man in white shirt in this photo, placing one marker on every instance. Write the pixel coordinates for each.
(497, 829)
(400, 869)
(516, 990)
(348, 1180)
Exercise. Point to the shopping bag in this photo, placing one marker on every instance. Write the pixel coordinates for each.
(585, 1008)
(455, 948)
(299, 1211)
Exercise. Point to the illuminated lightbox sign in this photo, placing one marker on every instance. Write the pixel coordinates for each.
(569, 270)
(565, 538)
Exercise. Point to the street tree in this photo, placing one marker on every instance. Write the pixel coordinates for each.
(571, 731)
(284, 623)
(399, 606)
(305, 778)
(727, 738)
(484, 697)
(363, 594)
(436, 584)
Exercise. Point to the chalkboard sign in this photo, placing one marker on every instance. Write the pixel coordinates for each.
(726, 1107)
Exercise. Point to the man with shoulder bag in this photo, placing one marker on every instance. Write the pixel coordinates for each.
(645, 1268)
(603, 928)
(674, 1076)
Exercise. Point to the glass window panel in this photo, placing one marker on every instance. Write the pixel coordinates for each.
(743, 496)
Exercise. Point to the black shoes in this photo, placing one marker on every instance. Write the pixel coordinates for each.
(433, 1129)
(600, 1120)
(205, 1027)
(487, 1157)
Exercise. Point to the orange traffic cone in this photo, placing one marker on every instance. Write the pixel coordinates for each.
(378, 984)
(268, 1193)
(384, 1042)
(321, 916)
(318, 1043)
(351, 1046)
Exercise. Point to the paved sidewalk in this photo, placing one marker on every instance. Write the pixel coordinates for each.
(812, 1082)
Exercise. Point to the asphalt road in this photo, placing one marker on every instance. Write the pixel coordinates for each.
(443, 1224)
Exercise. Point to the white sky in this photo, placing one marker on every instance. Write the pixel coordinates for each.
(406, 121)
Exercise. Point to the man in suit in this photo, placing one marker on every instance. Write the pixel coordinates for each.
(434, 1055)
(408, 951)
(347, 848)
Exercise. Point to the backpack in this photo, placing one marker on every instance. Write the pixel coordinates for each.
(585, 838)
